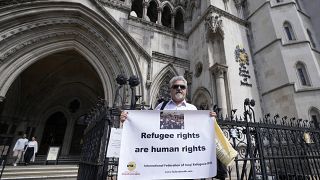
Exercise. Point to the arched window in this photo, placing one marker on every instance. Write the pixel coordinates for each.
(302, 74)
(289, 31)
(311, 39)
(315, 116)
(178, 22)
(152, 11)
(166, 16)
(137, 7)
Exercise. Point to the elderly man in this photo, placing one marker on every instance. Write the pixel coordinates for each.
(178, 92)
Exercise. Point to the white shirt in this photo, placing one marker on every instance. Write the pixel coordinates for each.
(171, 105)
(21, 142)
(33, 144)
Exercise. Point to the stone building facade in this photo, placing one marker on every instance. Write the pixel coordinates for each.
(58, 57)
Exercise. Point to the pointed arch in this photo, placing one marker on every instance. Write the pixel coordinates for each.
(202, 99)
(167, 13)
(96, 37)
(179, 19)
(161, 80)
(137, 7)
(156, 1)
(290, 35)
(302, 74)
(167, 3)
(152, 11)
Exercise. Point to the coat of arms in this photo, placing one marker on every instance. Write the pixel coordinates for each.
(243, 60)
(241, 56)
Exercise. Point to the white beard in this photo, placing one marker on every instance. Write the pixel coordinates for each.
(179, 96)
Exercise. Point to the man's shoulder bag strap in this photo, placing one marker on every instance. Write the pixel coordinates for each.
(164, 104)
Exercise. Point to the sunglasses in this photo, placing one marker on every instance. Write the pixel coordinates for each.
(177, 86)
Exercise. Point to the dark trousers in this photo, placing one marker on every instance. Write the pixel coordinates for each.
(28, 155)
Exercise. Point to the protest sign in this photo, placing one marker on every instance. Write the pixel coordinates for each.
(167, 145)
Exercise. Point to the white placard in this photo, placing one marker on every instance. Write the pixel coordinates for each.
(114, 143)
(167, 145)
(53, 153)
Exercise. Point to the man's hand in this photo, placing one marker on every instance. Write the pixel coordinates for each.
(213, 114)
(123, 116)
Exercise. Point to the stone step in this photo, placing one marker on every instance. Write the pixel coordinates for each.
(68, 172)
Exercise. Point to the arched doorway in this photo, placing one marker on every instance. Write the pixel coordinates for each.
(56, 56)
(54, 132)
(49, 97)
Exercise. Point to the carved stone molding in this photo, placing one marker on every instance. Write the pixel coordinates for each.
(214, 23)
(218, 69)
(13, 2)
(171, 59)
(117, 4)
(212, 9)
(55, 35)
(238, 3)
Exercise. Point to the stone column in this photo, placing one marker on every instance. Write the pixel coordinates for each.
(144, 10)
(173, 15)
(218, 71)
(159, 16)
(68, 137)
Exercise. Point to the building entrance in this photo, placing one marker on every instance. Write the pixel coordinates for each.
(54, 132)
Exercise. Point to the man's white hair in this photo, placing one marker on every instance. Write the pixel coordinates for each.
(177, 78)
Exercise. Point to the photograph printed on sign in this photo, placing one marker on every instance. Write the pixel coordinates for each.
(171, 120)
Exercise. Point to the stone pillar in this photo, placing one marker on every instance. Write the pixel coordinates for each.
(218, 71)
(173, 16)
(144, 10)
(159, 16)
(68, 137)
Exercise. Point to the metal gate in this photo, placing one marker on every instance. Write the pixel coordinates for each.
(277, 148)
(272, 148)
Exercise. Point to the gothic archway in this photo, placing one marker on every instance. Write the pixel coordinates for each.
(159, 88)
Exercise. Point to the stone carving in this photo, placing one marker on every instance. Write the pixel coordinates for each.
(164, 91)
(117, 4)
(238, 3)
(243, 60)
(214, 23)
(49, 22)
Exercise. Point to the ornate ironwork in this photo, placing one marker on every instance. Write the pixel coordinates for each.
(274, 147)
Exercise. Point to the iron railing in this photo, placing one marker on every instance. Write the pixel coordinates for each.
(272, 148)
(5, 143)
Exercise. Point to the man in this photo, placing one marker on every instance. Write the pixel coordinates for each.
(19, 148)
(178, 92)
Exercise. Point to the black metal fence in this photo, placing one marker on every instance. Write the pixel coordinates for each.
(271, 148)
(5, 142)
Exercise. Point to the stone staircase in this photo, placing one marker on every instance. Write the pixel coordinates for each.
(52, 172)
